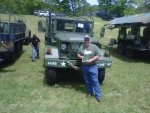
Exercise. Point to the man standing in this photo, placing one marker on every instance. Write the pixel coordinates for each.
(89, 54)
(35, 47)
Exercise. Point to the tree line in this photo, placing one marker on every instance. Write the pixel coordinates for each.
(76, 7)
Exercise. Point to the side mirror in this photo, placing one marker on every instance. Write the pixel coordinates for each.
(102, 33)
(41, 26)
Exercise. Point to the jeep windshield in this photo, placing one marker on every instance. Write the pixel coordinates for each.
(74, 26)
(6, 27)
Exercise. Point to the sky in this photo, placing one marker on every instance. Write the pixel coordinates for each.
(92, 2)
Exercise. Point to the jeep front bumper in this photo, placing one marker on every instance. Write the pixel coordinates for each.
(57, 63)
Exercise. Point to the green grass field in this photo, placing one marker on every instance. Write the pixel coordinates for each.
(126, 88)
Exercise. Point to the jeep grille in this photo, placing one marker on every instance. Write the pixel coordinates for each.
(75, 47)
(71, 51)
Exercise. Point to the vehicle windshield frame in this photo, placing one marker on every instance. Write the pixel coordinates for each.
(73, 26)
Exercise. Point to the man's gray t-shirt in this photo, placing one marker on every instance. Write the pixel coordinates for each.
(88, 52)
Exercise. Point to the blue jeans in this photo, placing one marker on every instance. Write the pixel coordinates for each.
(90, 74)
(34, 53)
(37, 51)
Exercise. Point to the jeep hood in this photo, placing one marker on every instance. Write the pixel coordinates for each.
(72, 37)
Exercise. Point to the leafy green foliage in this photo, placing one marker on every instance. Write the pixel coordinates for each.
(124, 6)
(75, 7)
(21, 6)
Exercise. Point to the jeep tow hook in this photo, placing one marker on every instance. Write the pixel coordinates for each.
(73, 66)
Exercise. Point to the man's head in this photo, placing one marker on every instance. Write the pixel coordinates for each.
(87, 40)
(34, 35)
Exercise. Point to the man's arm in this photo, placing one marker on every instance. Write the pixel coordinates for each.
(93, 59)
(39, 40)
(80, 56)
(79, 53)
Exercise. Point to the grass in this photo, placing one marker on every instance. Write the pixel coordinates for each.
(126, 88)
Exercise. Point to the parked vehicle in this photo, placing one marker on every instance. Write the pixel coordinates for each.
(63, 37)
(134, 34)
(36, 12)
(13, 34)
(43, 13)
(106, 15)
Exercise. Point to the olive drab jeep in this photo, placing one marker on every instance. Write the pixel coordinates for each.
(13, 35)
(63, 37)
(133, 35)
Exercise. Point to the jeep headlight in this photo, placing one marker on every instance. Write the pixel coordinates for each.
(63, 47)
(107, 53)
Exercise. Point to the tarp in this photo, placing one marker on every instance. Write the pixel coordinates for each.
(143, 18)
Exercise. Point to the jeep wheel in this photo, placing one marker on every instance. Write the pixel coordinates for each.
(101, 75)
(11, 58)
(50, 76)
(129, 52)
(120, 48)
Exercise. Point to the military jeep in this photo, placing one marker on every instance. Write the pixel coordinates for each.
(133, 38)
(63, 37)
(13, 35)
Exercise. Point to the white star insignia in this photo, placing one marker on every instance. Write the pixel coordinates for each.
(63, 64)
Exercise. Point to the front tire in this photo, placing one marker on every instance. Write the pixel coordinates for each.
(121, 48)
(11, 57)
(50, 76)
(101, 75)
(129, 52)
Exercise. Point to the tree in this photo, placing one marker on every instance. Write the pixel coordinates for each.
(143, 6)
(7, 5)
(117, 6)
(21, 6)
(76, 7)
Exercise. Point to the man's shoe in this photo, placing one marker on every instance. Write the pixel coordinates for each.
(33, 60)
(88, 95)
(37, 57)
(98, 99)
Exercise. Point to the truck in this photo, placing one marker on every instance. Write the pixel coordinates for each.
(13, 35)
(133, 34)
(63, 37)
(44, 13)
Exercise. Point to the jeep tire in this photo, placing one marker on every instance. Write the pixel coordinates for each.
(129, 52)
(101, 75)
(121, 48)
(50, 76)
